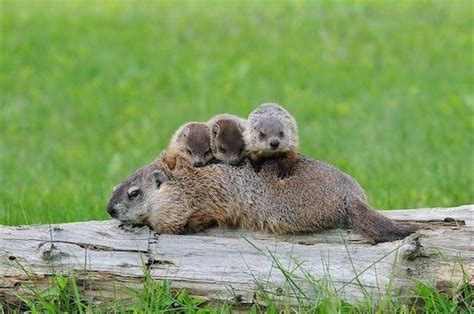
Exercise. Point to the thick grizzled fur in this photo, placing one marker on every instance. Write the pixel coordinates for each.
(191, 143)
(272, 133)
(227, 142)
(317, 197)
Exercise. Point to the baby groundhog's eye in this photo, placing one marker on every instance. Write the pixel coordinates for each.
(222, 149)
(189, 151)
(262, 134)
(282, 134)
(133, 192)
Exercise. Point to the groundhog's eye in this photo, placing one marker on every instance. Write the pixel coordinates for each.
(133, 192)
(262, 134)
(222, 149)
(282, 134)
(189, 151)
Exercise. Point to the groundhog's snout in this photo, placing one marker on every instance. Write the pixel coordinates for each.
(111, 210)
(274, 143)
(198, 163)
(234, 160)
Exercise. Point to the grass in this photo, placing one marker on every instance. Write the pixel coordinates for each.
(92, 90)
(64, 296)
(158, 297)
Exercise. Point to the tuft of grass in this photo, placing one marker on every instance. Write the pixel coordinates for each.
(92, 90)
(63, 295)
(325, 297)
(322, 296)
(158, 297)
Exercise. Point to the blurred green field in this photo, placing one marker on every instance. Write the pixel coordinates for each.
(92, 90)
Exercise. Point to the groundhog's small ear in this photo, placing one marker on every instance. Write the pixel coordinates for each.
(160, 177)
(185, 132)
(215, 129)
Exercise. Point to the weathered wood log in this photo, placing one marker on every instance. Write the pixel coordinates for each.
(237, 265)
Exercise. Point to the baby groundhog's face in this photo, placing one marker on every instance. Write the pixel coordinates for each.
(195, 144)
(227, 141)
(130, 201)
(269, 135)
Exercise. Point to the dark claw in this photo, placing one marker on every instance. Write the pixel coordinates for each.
(129, 228)
(256, 165)
(285, 174)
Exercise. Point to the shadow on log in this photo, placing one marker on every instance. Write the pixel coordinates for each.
(237, 265)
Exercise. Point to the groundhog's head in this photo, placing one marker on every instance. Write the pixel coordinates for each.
(193, 143)
(270, 134)
(133, 200)
(227, 142)
(271, 129)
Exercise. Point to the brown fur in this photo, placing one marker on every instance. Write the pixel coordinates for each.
(190, 144)
(227, 142)
(272, 124)
(285, 160)
(317, 197)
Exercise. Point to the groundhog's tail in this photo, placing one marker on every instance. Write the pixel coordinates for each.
(373, 224)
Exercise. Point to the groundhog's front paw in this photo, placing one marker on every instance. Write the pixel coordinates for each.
(285, 173)
(214, 161)
(256, 167)
(130, 228)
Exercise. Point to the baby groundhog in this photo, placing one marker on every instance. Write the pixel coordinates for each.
(227, 141)
(191, 144)
(272, 133)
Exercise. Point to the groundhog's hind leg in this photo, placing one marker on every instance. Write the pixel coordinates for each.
(373, 224)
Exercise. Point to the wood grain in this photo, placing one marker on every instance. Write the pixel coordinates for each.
(238, 265)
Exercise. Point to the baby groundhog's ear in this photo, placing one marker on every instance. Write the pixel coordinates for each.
(242, 126)
(160, 177)
(215, 129)
(185, 131)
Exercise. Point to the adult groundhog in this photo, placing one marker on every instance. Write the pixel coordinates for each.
(272, 133)
(318, 196)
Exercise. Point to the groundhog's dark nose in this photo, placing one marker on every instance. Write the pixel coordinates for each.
(111, 210)
(234, 161)
(274, 143)
(198, 163)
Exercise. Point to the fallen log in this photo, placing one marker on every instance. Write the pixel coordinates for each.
(236, 265)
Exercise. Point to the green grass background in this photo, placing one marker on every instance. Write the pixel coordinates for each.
(92, 90)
